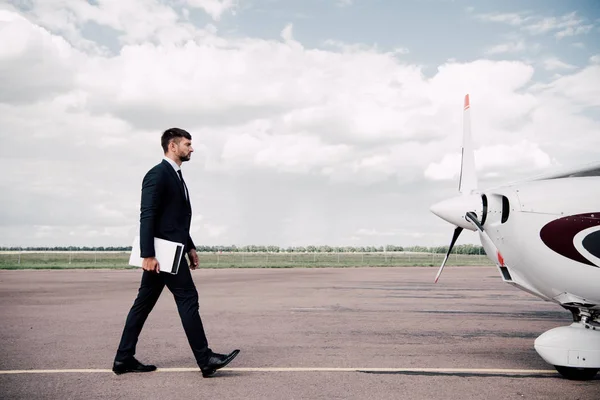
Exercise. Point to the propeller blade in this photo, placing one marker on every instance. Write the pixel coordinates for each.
(468, 177)
(457, 232)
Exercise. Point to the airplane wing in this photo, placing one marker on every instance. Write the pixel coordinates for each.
(590, 169)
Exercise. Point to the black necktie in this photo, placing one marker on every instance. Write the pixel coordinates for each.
(183, 184)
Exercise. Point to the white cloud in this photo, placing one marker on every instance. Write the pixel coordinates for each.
(343, 3)
(137, 21)
(509, 47)
(553, 63)
(215, 231)
(490, 159)
(214, 8)
(287, 33)
(566, 25)
(507, 18)
(574, 31)
(374, 232)
(34, 64)
(202, 229)
(286, 153)
(582, 87)
(351, 47)
(448, 168)
(334, 139)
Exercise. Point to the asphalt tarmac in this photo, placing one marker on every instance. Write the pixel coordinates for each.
(304, 333)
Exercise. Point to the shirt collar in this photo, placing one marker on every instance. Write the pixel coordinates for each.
(173, 163)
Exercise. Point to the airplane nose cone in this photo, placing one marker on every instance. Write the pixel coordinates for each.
(453, 210)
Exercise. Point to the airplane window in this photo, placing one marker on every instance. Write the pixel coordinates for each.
(505, 209)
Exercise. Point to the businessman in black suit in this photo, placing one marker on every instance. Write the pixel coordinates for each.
(166, 213)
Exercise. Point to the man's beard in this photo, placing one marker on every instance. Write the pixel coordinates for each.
(185, 158)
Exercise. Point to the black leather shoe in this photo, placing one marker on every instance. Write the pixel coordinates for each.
(217, 361)
(131, 365)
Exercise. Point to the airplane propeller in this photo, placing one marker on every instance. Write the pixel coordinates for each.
(460, 210)
(457, 232)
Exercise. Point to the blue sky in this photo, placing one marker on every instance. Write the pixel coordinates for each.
(433, 31)
(314, 122)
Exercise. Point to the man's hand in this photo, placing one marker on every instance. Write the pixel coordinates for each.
(150, 264)
(193, 259)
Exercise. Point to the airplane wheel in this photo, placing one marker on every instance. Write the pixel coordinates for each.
(577, 374)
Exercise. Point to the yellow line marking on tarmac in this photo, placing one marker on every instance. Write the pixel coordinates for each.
(291, 369)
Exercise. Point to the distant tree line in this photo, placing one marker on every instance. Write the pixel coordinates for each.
(66, 248)
(459, 249)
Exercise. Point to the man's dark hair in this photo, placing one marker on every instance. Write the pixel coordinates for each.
(173, 134)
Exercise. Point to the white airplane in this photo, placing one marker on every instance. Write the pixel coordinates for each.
(543, 235)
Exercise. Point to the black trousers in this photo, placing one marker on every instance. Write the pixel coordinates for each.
(184, 291)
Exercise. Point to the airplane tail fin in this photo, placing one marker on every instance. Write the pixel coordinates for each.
(468, 178)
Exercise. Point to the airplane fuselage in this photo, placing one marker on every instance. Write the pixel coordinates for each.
(548, 235)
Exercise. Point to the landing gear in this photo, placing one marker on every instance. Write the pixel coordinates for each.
(573, 350)
(577, 374)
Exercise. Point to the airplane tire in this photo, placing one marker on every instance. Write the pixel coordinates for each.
(577, 374)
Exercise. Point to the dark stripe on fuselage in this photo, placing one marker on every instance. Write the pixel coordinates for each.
(558, 235)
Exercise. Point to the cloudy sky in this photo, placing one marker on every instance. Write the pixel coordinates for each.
(332, 122)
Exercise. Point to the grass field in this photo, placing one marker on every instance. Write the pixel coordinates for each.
(90, 260)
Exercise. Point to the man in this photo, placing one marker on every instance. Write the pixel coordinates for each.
(166, 213)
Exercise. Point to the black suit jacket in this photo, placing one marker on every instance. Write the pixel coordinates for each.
(165, 211)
